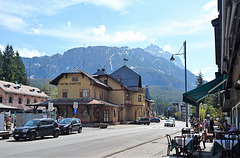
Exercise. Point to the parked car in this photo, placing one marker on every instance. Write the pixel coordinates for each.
(37, 128)
(143, 120)
(169, 122)
(155, 120)
(68, 125)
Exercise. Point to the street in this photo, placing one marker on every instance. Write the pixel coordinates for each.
(114, 141)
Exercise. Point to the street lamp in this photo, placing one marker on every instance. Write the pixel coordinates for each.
(172, 59)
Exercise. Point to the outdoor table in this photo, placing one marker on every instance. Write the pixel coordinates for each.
(189, 144)
(217, 147)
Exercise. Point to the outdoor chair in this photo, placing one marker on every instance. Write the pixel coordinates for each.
(180, 145)
(234, 137)
(225, 143)
(169, 144)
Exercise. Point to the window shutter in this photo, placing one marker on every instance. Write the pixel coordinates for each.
(81, 93)
(88, 93)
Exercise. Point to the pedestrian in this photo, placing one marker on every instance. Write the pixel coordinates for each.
(211, 124)
(205, 124)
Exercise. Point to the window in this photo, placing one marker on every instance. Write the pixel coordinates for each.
(105, 96)
(106, 82)
(85, 93)
(139, 98)
(101, 95)
(75, 79)
(19, 100)
(28, 101)
(64, 93)
(10, 100)
(84, 113)
(1, 99)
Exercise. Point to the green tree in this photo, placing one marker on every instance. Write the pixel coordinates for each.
(12, 68)
(1, 65)
(20, 74)
(200, 80)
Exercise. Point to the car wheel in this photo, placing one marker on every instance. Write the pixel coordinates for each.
(69, 131)
(32, 136)
(148, 123)
(80, 130)
(56, 134)
(17, 139)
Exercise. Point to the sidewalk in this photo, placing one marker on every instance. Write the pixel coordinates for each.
(158, 148)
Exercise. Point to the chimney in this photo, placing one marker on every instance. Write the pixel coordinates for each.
(118, 78)
(103, 69)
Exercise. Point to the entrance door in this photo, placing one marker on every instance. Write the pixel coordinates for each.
(105, 115)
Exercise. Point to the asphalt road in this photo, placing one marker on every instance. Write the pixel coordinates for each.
(114, 141)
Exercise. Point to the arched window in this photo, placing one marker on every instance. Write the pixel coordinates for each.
(10, 99)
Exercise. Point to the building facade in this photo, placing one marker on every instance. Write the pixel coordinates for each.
(18, 96)
(227, 50)
(101, 97)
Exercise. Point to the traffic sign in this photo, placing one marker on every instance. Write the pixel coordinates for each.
(75, 105)
(50, 106)
(75, 111)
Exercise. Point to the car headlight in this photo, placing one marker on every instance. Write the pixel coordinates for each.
(24, 130)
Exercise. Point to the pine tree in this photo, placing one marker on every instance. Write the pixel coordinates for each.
(8, 64)
(20, 75)
(1, 65)
(199, 81)
(12, 68)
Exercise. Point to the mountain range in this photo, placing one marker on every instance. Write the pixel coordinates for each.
(152, 63)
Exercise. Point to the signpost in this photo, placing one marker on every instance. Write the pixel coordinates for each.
(50, 106)
(75, 106)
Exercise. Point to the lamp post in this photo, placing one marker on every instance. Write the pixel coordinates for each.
(172, 59)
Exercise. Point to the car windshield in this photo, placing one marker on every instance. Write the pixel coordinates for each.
(169, 121)
(32, 123)
(65, 121)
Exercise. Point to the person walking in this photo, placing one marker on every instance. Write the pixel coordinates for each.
(205, 124)
(211, 124)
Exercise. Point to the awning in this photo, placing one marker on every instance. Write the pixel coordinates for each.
(199, 93)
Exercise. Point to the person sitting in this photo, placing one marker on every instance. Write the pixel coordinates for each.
(225, 125)
(233, 129)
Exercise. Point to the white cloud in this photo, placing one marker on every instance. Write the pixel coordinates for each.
(100, 31)
(36, 31)
(153, 41)
(12, 22)
(2, 48)
(211, 9)
(68, 24)
(129, 36)
(30, 53)
(167, 48)
(116, 5)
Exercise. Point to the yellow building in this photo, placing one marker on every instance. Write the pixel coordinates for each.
(101, 97)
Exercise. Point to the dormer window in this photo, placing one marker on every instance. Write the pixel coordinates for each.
(7, 85)
(32, 90)
(39, 91)
(16, 87)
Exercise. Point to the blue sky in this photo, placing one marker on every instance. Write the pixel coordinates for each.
(47, 27)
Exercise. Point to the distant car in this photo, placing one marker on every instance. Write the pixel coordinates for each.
(169, 122)
(155, 120)
(143, 120)
(37, 128)
(68, 125)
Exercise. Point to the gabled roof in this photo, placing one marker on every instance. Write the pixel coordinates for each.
(78, 71)
(13, 88)
(104, 73)
(128, 77)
